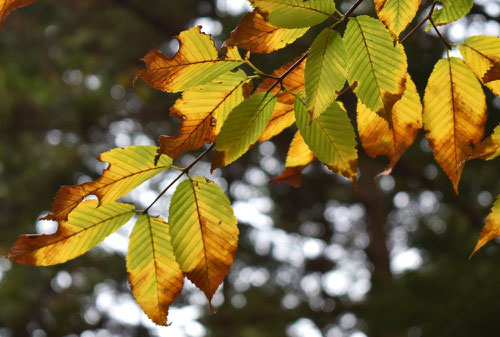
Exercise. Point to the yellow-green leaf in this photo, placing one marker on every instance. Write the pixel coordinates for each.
(255, 34)
(454, 115)
(294, 13)
(298, 158)
(452, 11)
(491, 229)
(330, 137)
(202, 111)
(197, 62)
(325, 72)
(128, 168)
(86, 226)
(396, 14)
(380, 138)
(7, 6)
(154, 275)
(375, 63)
(204, 232)
(489, 148)
(242, 129)
(482, 54)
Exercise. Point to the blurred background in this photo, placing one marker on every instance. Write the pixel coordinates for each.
(388, 260)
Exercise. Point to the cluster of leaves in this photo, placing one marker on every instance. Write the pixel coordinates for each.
(219, 106)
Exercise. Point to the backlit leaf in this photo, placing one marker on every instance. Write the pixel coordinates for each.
(204, 232)
(242, 129)
(454, 115)
(197, 62)
(380, 138)
(202, 111)
(255, 34)
(482, 54)
(283, 115)
(489, 148)
(154, 275)
(294, 13)
(396, 14)
(452, 11)
(128, 168)
(375, 63)
(491, 229)
(330, 137)
(298, 158)
(85, 228)
(7, 6)
(325, 72)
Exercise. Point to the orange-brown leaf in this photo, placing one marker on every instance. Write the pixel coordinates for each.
(255, 34)
(7, 6)
(489, 148)
(491, 229)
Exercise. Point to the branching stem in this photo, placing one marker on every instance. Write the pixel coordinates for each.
(421, 23)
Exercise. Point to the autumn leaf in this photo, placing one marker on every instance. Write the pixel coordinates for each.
(87, 225)
(491, 229)
(489, 148)
(256, 35)
(330, 137)
(482, 54)
(375, 63)
(154, 275)
(294, 13)
(7, 6)
(197, 62)
(128, 168)
(204, 233)
(202, 111)
(325, 72)
(380, 138)
(242, 128)
(298, 158)
(452, 11)
(396, 14)
(454, 115)
(283, 115)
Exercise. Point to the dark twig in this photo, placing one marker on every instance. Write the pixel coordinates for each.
(446, 43)
(428, 17)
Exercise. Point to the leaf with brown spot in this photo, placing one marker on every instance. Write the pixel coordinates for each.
(197, 62)
(256, 35)
(380, 138)
(87, 225)
(491, 229)
(153, 273)
(298, 158)
(454, 115)
(204, 232)
(202, 111)
(396, 14)
(7, 6)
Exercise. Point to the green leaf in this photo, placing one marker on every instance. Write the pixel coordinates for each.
(154, 275)
(242, 128)
(128, 168)
(294, 13)
(325, 72)
(85, 228)
(330, 137)
(375, 63)
(204, 232)
(452, 11)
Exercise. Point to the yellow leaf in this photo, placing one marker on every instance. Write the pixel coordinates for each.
(283, 115)
(482, 54)
(85, 228)
(489, 148)
(255, 34)
(454, 115)
(197, 62)
(202, 111)
(380, 138)
(204, 232)
(396, 14)
(128, 168)
(154, 275)
(298, 158)
(7, 6)
(491, 229)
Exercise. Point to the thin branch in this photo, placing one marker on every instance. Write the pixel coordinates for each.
(446, 43)
(184, 171)
(420, 24)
